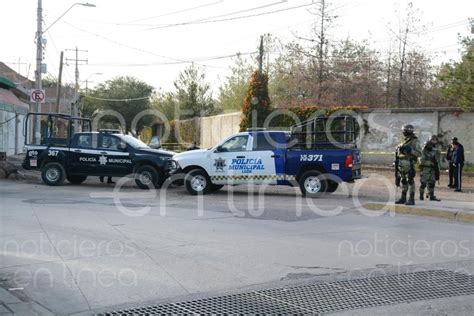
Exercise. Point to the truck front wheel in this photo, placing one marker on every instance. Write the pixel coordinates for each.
(53, 173)
(312, 183)
(197, 182)
(146, 176)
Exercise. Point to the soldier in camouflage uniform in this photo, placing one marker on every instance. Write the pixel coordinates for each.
(407, 153)
(429, 170)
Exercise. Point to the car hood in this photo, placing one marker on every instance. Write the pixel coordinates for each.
(190, 153)
(156, 151)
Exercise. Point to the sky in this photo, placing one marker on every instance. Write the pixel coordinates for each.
(154, 40)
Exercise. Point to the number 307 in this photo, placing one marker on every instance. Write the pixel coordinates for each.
(311, 158)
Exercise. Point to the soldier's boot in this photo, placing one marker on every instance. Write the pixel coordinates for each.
(402, 199)
(411, 200)
(433, 197)
(422, 194)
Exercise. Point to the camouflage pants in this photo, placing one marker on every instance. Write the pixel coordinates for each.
(407, 176)
(427, 179)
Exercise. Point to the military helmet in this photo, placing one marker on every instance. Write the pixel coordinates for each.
(434, 139)
(408, 129)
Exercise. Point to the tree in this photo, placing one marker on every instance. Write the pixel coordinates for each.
(166, 104)
(408, 26)
(193, 94)
(457, 83)
(256, 105)
(233, 90)
(127, 95)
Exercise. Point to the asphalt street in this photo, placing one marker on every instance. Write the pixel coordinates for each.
(82, 249)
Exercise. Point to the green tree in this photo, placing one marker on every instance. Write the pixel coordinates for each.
(256, 105)
(457, 83)
(193, 94)
(166, 104)
(233, 90)
(127, 95)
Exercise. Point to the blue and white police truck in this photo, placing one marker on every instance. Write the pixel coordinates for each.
(315, 155)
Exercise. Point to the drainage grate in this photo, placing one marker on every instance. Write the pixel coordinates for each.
(317, 298)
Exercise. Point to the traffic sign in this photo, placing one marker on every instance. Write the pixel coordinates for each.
(37, 95)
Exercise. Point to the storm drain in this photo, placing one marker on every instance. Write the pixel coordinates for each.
(324, 297)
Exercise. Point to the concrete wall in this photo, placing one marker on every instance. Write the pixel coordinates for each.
(11, 133)
(384, 130)
(383, 126)
(216, 128)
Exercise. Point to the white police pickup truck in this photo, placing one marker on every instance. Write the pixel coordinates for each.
(306, 157)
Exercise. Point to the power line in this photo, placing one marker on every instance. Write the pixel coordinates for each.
(134, 48)
(173, 12)
(116, 100)
(206, 20)
(172, 63)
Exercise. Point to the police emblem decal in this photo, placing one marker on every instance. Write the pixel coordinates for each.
(219, 164)
(102, 160)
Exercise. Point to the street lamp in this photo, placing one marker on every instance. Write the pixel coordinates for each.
(39, 58)
(59, 18)
(87, 80)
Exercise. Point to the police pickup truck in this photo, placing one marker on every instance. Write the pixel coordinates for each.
(309, 157)
(105, 153)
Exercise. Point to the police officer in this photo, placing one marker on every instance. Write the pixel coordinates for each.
(451, 166)
(407, 153)
(429, 170)
(457, 161)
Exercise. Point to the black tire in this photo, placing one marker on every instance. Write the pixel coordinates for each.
(146, 176)
(312, 184)
(53, 173)
(197, 182)
(75, 179)
(332, 186)
(216, 187)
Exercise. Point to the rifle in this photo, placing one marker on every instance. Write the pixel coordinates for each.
(436, 169)
(397, 173)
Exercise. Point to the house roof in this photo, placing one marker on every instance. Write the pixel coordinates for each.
(15, 77)
(5, 83)
(10, 102)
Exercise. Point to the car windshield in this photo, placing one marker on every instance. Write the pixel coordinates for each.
(132, 141)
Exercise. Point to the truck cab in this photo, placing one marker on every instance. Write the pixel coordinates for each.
(270, 157)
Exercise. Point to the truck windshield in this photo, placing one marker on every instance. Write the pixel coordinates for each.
(132, 141)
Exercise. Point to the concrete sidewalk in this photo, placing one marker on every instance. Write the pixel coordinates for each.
(449, 209)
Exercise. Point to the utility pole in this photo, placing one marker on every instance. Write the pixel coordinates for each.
(39, 69)
(58, 88)
(260, 56)
(74, 111)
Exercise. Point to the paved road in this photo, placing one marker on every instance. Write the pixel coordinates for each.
(71, 249)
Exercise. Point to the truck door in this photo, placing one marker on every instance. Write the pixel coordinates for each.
(228, 160)
(84, 156)
(115, 160)
(267, 150)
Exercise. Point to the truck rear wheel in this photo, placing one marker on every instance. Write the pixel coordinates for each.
(197, 182)
(53, 173)
(76, 179)
(332, 186)
(312, 183)
(146, 176)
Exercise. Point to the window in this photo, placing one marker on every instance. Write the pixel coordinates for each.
(109, 142)
(263, 142)
(237, 143)
(86, 141)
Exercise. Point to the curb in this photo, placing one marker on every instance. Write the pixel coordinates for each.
(454, 215)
